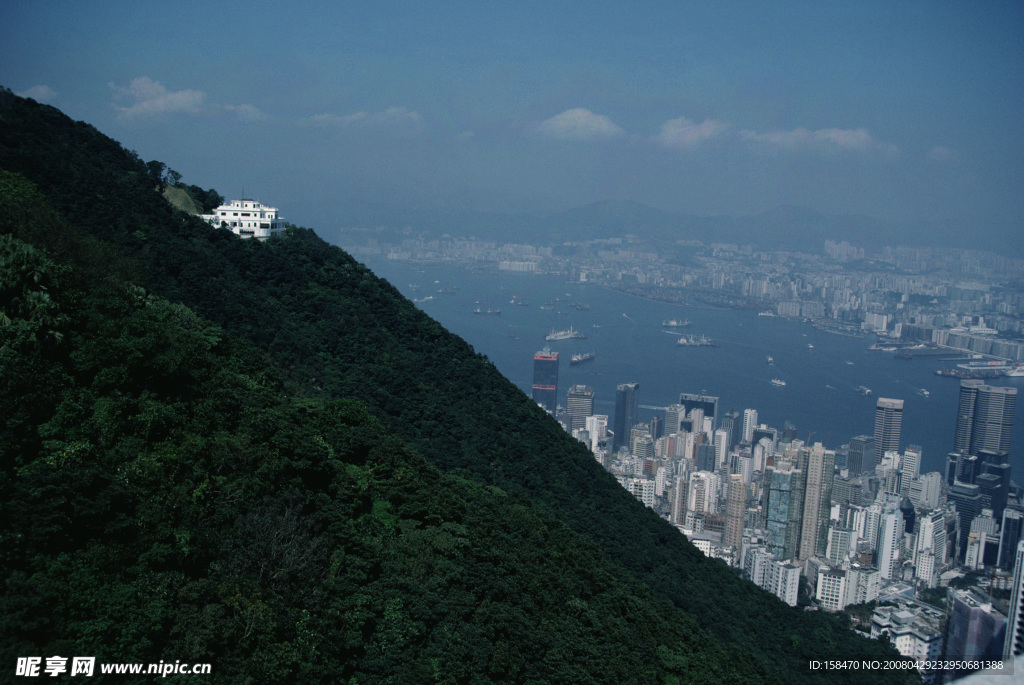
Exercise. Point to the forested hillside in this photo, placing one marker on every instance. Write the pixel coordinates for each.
(521, 557)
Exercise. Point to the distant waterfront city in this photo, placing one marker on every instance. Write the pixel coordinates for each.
(826, 457)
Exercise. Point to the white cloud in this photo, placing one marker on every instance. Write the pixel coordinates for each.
(940, 153)
(247, 112)
(395, 116)
(147, 97)
(40, 93)
(580, 124)
(682, 132)
(835, 138)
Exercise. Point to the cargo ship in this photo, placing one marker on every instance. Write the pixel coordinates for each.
(581, 357)
(565, 335)
(694, 341)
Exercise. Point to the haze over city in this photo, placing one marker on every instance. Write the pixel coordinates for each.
(351, 114)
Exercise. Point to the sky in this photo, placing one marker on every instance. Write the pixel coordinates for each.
(901, 111)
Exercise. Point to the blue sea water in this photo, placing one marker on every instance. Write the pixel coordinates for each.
(822, 371)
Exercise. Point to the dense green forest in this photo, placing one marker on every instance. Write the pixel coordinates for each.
(263, 456)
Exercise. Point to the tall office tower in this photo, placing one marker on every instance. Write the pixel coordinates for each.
(889, 528)
(732, 424)
(967, 498)
(1014, 645)
(910, 466)
(993, 493)
(952, 467)
(579, 404)
(783, 508)
(968, 468)
(984, 419)
(861, 456)
(1010, 533)
(735, 507)
(545, 379)
(749, 424)
(627, 412)
(817, 500)
(706, 403)
(888, 420)
(657, 427)
(965, 415)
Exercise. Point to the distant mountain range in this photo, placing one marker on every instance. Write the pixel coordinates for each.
(786, 227)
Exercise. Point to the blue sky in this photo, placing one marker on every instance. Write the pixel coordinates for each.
(897, 110)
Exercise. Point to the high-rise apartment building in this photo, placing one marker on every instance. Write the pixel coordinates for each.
(888, 421)
(702, 497)
(889, 529)
(817, 500)
(783, 580)
(930, 548)
(579, 404)
(924, 491)
(545, 379)
(627, 412)
(597, 427)
(735, 506)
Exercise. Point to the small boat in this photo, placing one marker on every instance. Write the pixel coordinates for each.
(778, 382)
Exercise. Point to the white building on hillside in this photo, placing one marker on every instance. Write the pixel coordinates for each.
(247, 218)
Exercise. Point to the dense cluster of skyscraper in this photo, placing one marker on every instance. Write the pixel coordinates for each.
(857, 524)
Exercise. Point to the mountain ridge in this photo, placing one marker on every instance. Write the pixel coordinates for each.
(784, 227)
(336, 333)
